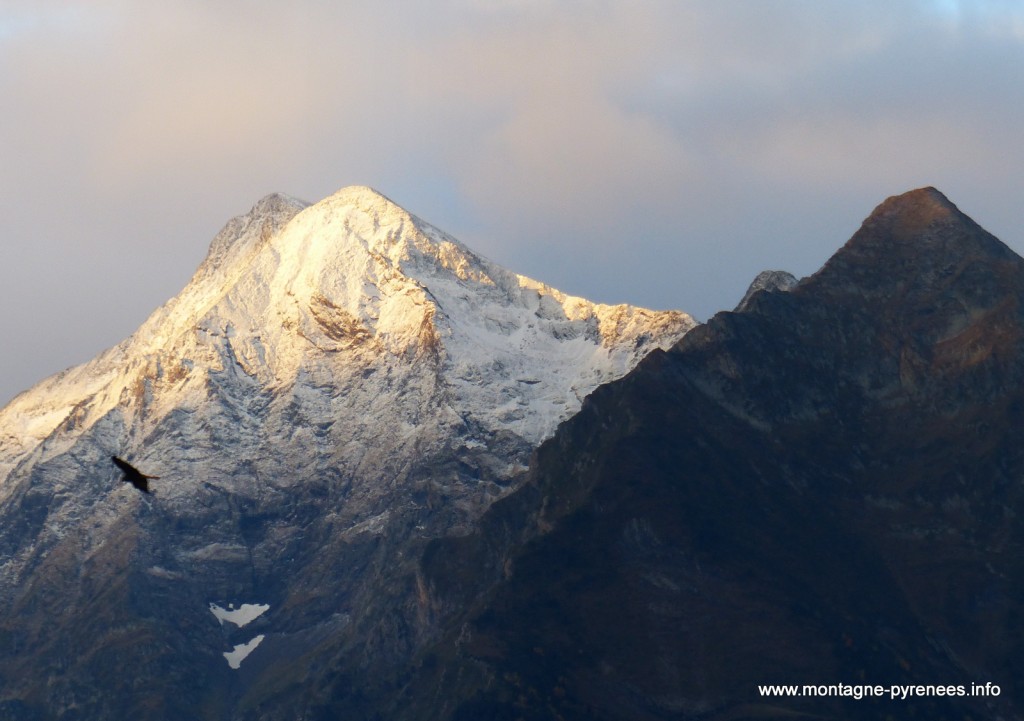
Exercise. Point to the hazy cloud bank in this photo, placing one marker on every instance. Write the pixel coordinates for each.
(659, 153)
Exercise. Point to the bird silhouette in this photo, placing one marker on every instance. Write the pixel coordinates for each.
(133, 475)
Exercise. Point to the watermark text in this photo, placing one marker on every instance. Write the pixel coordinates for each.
(893, 692)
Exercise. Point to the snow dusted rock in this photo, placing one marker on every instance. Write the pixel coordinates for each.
(767, 280)
(338, 383)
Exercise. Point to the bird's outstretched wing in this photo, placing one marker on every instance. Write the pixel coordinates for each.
(124, 465)
(133, 475)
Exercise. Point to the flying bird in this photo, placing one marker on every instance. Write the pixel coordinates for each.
(133, 475)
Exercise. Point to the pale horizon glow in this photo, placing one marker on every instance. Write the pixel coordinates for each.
(656, 153)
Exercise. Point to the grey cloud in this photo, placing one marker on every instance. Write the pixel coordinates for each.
(656, 152)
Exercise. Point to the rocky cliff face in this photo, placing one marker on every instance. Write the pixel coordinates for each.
(338, 384)
(825, 488)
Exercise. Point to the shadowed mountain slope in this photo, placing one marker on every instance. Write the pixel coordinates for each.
(826, 488)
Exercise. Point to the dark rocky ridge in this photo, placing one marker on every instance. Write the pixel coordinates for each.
(825, 488)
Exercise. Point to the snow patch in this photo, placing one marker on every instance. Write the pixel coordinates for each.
(242, 651)
(244, 614)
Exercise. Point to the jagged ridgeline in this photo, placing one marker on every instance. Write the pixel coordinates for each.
(338, 384)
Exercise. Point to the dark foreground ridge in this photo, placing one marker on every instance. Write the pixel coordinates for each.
(823, 489)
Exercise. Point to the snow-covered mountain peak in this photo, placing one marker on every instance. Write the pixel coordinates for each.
(368, 219)
(337, 384)
(312, 302)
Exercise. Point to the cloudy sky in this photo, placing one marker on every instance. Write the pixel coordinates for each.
(657, 152)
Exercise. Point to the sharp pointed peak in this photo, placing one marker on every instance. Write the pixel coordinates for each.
(361, 191)
(388, 226)
(907, 241)
(927, 194)
(921, 222)
(916, 210)
(360, 195)
(370, 202)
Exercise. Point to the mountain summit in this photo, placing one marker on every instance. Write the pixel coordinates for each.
(914, 240)
(288, 289)
(337, 384)
(820, 494)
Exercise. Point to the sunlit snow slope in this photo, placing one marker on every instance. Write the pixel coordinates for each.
(316, 298)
